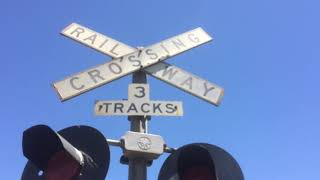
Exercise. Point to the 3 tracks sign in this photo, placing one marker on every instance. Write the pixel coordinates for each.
(138, 104)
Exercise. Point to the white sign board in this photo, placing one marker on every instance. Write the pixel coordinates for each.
(138, 104)
(97, 41)
(187, 82)
(139, 92)
(168, 73)
(134, 108)
(112, 70)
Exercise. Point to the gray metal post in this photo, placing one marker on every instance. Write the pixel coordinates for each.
(138, 167)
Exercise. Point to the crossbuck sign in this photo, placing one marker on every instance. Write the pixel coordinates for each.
(128, 60)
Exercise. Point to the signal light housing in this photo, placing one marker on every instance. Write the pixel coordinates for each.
(78, 151)
(200, 161)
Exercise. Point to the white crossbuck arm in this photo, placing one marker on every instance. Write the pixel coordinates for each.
(129, 59)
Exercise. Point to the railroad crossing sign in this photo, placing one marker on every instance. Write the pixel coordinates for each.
(138, 104)
(128, 60)
(139, 147)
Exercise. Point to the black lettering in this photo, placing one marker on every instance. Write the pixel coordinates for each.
(78, 30)
(94, 74)
(115, 68)
(151, 55)
(178, 43)
(107, 106)
(139, 52)
(100, 107)
(171, 108)
(188, 82)
(142, 107)
(142, 92)
(169, 71)
(193, 38)
(132, 107)
(206, 89)
(91, 38)
(136, 61)
(118, 106)
(164, 48)
(156, 106)
(73, 85)
(103, 43)
(112, 50)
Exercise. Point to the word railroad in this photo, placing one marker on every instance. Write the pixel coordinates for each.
(129, 60)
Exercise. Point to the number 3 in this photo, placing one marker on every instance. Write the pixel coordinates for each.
(141, 91)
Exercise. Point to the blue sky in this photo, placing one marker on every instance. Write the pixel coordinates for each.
(265, 54)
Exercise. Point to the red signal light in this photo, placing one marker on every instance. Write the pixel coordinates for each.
(62, 166)
(198, 173)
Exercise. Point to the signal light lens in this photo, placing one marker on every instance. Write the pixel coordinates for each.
(198, 173)
(62, 166)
